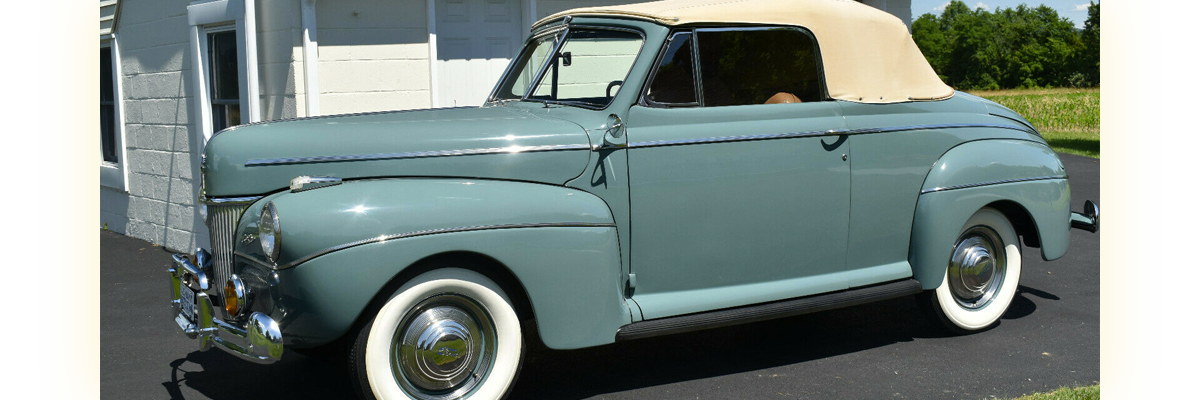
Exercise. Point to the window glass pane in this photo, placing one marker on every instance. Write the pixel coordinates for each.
(106, 74)
(223, 61)
(674, 82)
(590, 68)
(108, 137)
(530, 63)
(752, 66)
(108, 110)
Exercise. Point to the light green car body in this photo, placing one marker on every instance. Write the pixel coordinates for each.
(700, 209)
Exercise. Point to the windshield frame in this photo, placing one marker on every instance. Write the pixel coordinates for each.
(562, 32)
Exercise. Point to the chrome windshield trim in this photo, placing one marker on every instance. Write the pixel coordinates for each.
(427, 232)
(971, 185)
(831, 132)
(415, 154)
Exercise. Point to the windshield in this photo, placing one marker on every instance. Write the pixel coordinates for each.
(588, 68)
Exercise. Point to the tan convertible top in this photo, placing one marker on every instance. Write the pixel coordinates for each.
(869, 55)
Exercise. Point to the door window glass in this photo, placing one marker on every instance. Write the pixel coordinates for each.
(757, 66)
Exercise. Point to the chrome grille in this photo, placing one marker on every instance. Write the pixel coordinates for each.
(222, 226)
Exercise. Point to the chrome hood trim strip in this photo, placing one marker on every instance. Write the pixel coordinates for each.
(415, 154)
(426, 232)
(832, 132)
(971, 185)
(232, 200)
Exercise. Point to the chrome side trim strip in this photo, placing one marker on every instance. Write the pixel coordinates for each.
(831, 132)
(415, 154)
(569, 147)
(232, 200)
(1040, 178)
(427, 232)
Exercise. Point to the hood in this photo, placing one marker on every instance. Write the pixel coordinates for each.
(478, 142)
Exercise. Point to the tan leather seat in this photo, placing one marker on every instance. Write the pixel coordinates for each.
(783, 97)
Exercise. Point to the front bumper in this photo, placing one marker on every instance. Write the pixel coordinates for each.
(259, 340)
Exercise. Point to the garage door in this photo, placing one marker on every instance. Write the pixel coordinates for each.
(475, 41)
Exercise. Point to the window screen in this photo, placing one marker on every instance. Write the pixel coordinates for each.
(754, 65)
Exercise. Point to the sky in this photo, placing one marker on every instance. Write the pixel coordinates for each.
(1075, 10)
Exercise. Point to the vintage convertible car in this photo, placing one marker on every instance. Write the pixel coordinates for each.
(638, 171)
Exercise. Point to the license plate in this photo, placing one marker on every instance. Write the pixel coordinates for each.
(187, 302)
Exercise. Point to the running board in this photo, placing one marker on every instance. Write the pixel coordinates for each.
(766, 311)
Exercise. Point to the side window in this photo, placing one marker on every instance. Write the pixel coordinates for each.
(224, 85)
(757, 66)
(674, 84)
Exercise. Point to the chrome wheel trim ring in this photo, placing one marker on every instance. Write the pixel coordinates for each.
(443, 348)
(977, 267)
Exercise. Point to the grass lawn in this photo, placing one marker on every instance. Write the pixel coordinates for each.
(1069, 119)
(1075, 393)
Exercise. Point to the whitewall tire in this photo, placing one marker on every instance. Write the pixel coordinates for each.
(982, 275)
(446, 334)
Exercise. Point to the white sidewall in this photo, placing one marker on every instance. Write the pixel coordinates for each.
(453, 280)
(983, 317)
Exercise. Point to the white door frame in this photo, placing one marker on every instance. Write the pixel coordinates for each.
(527, 19)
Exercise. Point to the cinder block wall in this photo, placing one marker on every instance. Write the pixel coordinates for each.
(159, 130)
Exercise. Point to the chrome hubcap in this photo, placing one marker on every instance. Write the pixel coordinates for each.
(977, 267)
(444, 348)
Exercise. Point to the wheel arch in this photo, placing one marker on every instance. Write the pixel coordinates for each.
(469, 260)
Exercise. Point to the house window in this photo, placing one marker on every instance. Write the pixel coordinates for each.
(112, 129)
(108, 107)
(223, 80)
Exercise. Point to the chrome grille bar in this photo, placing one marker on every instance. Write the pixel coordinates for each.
(222, 224)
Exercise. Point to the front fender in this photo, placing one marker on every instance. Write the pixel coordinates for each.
(317, 221)
(341, 245)
(572, 275)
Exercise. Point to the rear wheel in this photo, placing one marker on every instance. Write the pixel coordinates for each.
(446, 334)
(982, 275)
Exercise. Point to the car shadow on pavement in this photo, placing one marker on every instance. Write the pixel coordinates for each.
(218, 375)
(575, 374)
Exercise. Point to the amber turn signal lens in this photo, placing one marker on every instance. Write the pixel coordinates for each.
(231, 298)
(234, 299)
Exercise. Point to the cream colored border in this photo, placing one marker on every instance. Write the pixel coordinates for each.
(1131, 175)
(69, 201)
(69, 347)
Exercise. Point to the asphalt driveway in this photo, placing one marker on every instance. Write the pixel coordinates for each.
(1049, 338)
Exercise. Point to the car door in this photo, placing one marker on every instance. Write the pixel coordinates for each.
(737, 193)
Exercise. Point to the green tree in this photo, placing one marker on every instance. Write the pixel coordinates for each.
(1089, 60)
(1012, 47)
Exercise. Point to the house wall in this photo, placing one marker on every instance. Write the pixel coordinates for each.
(373, 55)
(156, 69)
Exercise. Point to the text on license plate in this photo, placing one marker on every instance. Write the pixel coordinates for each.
(187, 301)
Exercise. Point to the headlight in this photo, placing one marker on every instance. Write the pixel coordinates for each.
(268, 232)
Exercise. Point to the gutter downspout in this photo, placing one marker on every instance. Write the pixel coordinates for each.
(252, 89)
(308, 38)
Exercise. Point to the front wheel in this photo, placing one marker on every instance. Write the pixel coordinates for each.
(982, 275)
(446, 334)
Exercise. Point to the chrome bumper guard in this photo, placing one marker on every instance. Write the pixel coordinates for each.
(261, 342)
(1089, 220)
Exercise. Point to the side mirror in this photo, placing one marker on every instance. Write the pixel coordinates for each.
(566, 58)
(614, 134)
